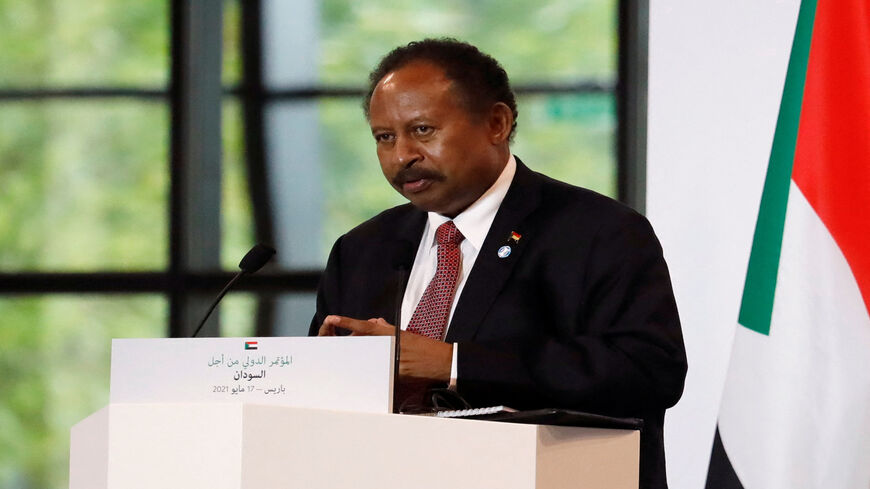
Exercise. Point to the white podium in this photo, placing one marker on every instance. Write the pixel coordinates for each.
(247, 446)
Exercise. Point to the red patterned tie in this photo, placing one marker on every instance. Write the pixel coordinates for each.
(433, 310)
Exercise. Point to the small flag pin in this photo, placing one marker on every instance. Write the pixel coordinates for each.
(515, 236)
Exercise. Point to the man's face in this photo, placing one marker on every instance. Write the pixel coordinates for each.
(431, 149)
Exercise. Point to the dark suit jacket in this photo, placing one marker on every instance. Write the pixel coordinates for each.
(581, 315)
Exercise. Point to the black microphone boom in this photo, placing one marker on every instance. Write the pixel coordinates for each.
(402, 262)
(251, 262)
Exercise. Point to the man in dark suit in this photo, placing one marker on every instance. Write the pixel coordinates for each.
(523, 290)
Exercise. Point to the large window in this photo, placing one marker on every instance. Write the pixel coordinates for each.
(101, 196)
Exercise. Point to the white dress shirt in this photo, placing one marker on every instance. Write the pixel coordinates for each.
(473, 223)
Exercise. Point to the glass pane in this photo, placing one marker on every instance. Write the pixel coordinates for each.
(291, 312)
(570, 138)
(99, 42)
(237, 221)
(85, 185)
(54, 355)
(553, 41)
(238, 315)
(232, 48)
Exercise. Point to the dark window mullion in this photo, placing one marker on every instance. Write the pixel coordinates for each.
(175, 284)
(152, 282)
(13, 94)
(631, 102)
(195, 154)
(589, 86)
(251, 93)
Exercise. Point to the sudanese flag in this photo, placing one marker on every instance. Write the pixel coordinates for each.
(795, 412)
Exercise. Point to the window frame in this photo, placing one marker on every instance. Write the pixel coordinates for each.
(181, 282)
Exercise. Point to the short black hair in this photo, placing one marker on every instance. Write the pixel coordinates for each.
(480, 79)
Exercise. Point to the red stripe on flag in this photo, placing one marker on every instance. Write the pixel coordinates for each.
(832, 154)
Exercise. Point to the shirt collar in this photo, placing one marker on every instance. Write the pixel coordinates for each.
(474, 222)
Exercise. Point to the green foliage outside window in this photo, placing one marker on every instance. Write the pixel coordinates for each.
(54, 353)
(569, 137)
(55, 43)
(84, 183)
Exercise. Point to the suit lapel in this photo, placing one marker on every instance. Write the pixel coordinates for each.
(405, 241)
(490, 271)
(410, 229)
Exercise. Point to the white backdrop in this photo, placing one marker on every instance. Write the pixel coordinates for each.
(716, 72)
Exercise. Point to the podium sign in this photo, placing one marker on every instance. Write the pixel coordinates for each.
(236, 413)
(249, 446)
(347, 373)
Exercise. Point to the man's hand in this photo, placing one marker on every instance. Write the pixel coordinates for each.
(420, 358)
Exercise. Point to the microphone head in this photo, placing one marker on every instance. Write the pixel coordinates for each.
(256, 258)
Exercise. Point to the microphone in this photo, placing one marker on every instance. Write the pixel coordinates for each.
(254, 259)
(251, 262)
(402, 262)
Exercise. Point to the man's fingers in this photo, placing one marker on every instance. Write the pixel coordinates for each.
(326, 330)
(422, 357)
(355, 326)
(332, 322)
(358, 327)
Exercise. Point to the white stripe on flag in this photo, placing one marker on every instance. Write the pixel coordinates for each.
(796, 407)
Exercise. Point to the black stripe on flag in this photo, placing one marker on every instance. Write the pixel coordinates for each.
(720, 474)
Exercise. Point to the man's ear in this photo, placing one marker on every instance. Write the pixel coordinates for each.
(501, 120)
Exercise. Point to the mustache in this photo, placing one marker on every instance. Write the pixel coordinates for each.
(415, 173)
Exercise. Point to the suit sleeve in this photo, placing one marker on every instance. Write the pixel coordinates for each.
(328, 291)
(615, 347)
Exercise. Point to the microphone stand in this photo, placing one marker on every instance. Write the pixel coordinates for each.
(215, 303)
(400, 293)
(253, 260)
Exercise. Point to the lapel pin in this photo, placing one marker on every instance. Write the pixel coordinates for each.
(504, 251)
(515, 236)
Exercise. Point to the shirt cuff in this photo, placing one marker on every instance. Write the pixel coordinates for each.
(452, 384)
